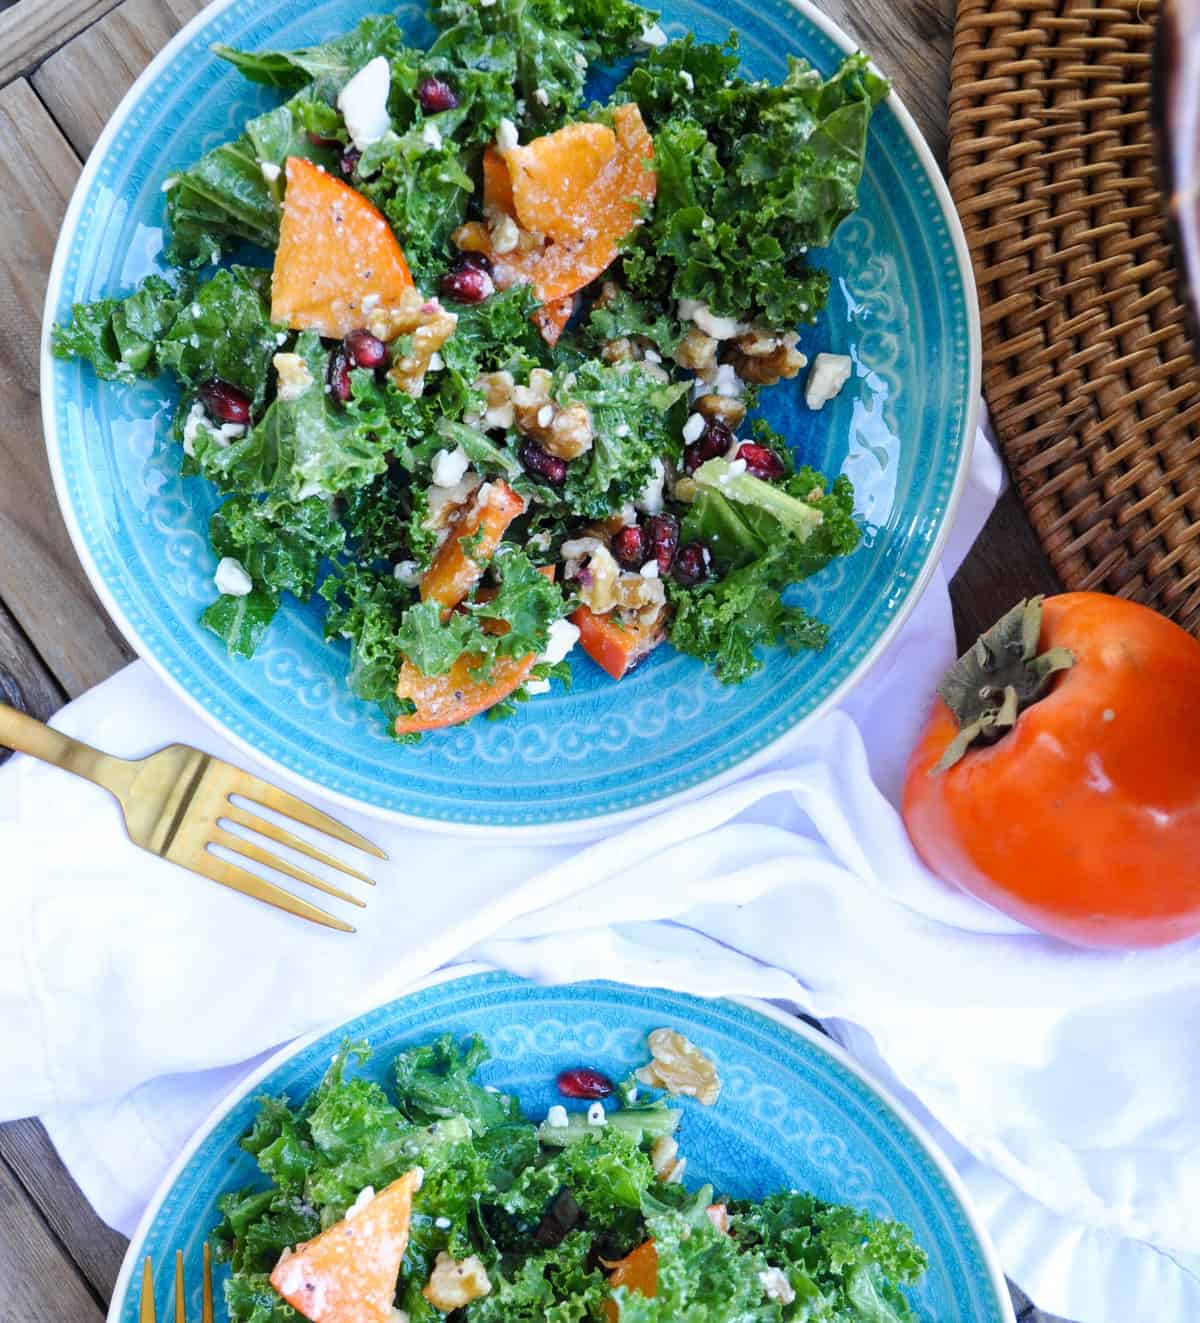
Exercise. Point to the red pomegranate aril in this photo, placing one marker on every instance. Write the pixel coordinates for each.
(340, 387)
(583, 1082)
(467, 284)
(225, 402)
(629, 547)
(761, 461)
(663, 531)
(365, 350)
(691, 564)
(436, 95)
(715, 440)
(348, 162)
(477, 261)
(542, 464)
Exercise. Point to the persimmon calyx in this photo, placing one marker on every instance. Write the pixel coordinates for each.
(997, 678)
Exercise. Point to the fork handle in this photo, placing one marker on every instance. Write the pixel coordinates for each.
(27, 735)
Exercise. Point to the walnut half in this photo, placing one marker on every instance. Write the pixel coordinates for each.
(427, 323)
(679, 1066)
(766, 357)
(566, 432)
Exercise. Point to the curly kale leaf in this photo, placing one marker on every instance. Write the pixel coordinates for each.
(120, 337)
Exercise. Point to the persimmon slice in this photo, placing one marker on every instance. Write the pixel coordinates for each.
(335, 251)
(615, 648)
(348, 1273)
(637, 1272)
(452, 572)
(551, 318)
(556, 179)
(448, 700)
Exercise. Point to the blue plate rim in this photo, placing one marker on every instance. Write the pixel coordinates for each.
(131, 1264)
(550, 832)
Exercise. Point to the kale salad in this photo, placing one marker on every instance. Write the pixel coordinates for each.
(474, 359)
(437, 1198)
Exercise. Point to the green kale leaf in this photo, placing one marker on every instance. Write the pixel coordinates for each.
(120, 337)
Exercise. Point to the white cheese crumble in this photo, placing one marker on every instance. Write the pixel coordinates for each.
(431, 136)
(652, 356)
(231, 578)
(650, 498)
(539, 542)
(687, 80)
(436, 362)
(442, 1223)
(828, 374)
(596, 1115)
(580, 60)
(556, 1117)
(693, 429)
(222, 434)
(365, 1196)
(776, 1286)
(563, 637)
(545, 415)
(294, 376)
(727, 382)
(363, 103)
(541, 96)
(407, 572)
(507, 136)
(649, 570)
(270, 171)
(653, 36)
(720, 328)
(449, 466)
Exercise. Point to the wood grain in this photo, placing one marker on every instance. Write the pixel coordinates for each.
(82, 83)
(25, 682)
(40, 1282)
(41, 580)
(96, 1248)
(31, 29)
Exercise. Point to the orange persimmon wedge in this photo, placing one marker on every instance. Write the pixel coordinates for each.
(556, 179)
(615, 648)
(335, 250)
(497, 183)
(551, 318)
(452, 573)
(637, 1271)
(348, 1273)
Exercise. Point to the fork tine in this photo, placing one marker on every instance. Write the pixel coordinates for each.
(180, 1290)
(263, 792)
(146, 1304)
(206, 1291)
(238, 879)
(268, 829)
(248, 850)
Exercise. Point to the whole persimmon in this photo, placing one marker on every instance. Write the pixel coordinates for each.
(1058, 775)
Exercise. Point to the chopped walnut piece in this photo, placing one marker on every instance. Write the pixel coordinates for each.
(590, 563)
(766, 357)
(566, 432)
(640, 599)
(725, 409)
(621, 350)
(429, 326)
(454, 1285)
(679, 1066)
(498, 388)
(697, 351)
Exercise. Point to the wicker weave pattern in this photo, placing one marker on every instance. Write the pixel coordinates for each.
(1092, 380)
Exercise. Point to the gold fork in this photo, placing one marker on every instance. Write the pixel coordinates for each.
(146, 1304)
(175, 800)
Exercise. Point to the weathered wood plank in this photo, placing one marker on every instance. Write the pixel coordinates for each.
(82, 83)
(41, 580)
(40, 1283)
(41, 693)
(96, 1248)
(31, 29)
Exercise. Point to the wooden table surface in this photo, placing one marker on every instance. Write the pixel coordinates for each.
(64, 65)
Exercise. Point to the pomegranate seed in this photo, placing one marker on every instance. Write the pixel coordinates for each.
(225, 402)
(664, 538)
(435, 94)
(364, 349)
(467, 284)
(339, 378)
(542, 464)
(318, 141)
(761, 461)
(349, 160)
(477, 261)
(714, 440)
(629, 547)
(583, 1082)
(691, 564)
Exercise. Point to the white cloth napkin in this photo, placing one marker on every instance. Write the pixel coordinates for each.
(1065, 1086)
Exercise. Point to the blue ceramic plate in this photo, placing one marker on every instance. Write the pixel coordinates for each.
(902, 306)
(794, 1111)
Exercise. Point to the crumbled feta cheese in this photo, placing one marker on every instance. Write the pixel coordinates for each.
(270, 171)
(828, 374)
(556, 1117)
(222, 434)
(687, 309)
(720, 328)
(650, 498)
(622, 430)
(649, 570)
(580, 60)
(687, 80)
(431, 136)
(365, 1195)
(436, 362)
(563, 637)
(281, 337)
(735, 470)
(505, 235)
(628, 513)
(541, 96)
(507, 136)
(652, 356)
(442, 1223)
(407, 572)
(653, 36)
(294, 376)
(231, 578)
(539, 542)
(596, 1114)
(363, 103)
(545, 415)
(727, 382)
(776, 1286)
(693, 429)
(449, 466)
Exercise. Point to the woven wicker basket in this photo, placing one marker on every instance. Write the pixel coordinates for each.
(1089, 371)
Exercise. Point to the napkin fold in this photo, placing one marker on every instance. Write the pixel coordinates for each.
(1064, 1085)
